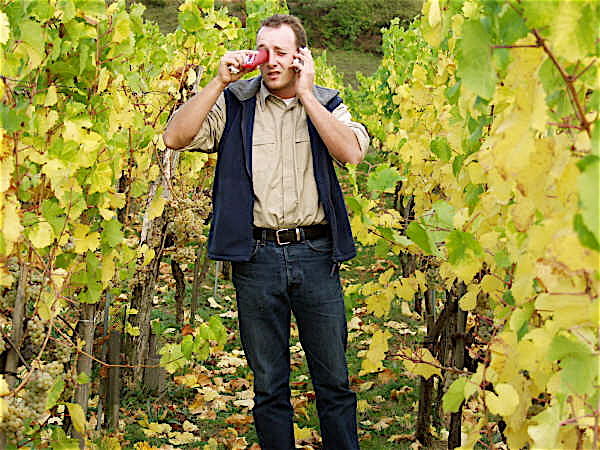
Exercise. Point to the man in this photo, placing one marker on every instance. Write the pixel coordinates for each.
(279, 216)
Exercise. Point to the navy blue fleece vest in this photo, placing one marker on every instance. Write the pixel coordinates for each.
(230, 237)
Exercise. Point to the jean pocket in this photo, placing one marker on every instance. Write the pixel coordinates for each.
(257, 245)
(320, 245)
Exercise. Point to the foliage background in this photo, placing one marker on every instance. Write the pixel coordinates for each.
(476, 212)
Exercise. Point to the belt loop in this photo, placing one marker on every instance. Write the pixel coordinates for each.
(264, 235)
(302, 234)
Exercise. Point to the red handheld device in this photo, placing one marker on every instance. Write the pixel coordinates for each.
(256, 59)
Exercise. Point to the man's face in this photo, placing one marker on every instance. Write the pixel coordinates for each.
(277, 74)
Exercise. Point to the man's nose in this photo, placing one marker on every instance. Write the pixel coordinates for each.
(272, 60)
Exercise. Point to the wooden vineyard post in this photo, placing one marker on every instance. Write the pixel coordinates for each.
(114, 380)
(85, 331)
(18, 318)
(154, 377)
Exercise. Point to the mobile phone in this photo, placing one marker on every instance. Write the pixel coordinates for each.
(298, 61)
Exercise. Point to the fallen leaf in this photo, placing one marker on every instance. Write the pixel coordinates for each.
(189, 426)
(203, 379)
(230, 361)
(366, 386)
(386, 376)
(401, 437)
(189, 380)
(239, 419)
(383, 423)
(187, 330)
(395, 394)
(355, 323)
(306, 435)
(213, 303)
(249, 403)
(363, 406)
(238, 383)
(212, 444)
(177, 438)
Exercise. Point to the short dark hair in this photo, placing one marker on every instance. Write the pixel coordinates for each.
(276, 20)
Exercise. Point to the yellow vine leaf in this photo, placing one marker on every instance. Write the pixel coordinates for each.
(51, 97)
(157, 206)
(108, 267)
(421, 280)
(41, 235)
(568, 310)
(58, 277)
(564, 26)
(49, 305)
(432, 33)
(4, 28)
(10, 221)
(147, 252)
(545, 433)
(6, 279)
(424, 365)
(3, 403)
(101, 178)
(466, 270)
(77, 416)
(303, 434)
(373, 361)
(468, 302)
(406, 288)
(7, 166)
(84, 240)
(434, 17)
(505, 403)
(379, 304)
(491, 284)
(385, 277)
(103, 78)
(122, 27)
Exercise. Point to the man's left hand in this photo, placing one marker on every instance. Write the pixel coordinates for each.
(305, 68)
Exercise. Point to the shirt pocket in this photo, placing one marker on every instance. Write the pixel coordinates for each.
(302, 135)
(264, 154)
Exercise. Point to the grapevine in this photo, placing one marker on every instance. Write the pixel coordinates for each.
(484, 117)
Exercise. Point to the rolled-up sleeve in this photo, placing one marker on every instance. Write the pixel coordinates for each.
(342, 114)
(207, 138)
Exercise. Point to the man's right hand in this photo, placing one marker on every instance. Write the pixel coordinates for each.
(185, 124)
(233, 59)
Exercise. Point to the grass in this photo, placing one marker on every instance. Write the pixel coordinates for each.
(387, 401)
(387, 407)
(348, 62)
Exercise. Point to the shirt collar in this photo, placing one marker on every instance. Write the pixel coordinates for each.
(264, 94)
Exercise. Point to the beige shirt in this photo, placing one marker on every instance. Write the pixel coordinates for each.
(285, 190)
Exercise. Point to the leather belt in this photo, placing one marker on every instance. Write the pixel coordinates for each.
(291, 235)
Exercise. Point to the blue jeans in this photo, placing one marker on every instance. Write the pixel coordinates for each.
(299, 278)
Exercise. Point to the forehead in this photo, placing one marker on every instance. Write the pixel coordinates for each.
(283, 37)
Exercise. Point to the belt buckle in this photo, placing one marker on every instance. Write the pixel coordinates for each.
(278, 239)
